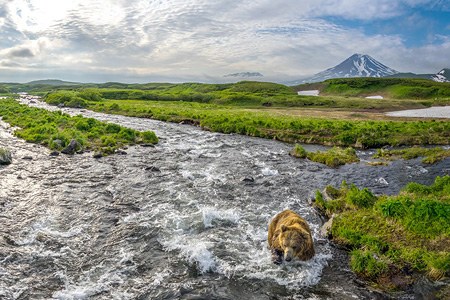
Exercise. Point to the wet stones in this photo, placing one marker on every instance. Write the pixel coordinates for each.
(5, 156)
(97, 154)
(73, 147)
(120, 152)
(147, 145)
(325, 230)
(54, 153)
(152, 169)
(248, 179)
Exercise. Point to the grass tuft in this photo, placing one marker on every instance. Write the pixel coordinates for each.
(333, 157)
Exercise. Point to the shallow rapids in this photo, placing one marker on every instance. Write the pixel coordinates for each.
(186, 219)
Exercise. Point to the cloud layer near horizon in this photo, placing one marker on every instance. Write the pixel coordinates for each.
(175, 40)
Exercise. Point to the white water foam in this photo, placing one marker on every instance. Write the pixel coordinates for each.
(246, 254)
(195, 251)
(90, 285)
(269, 172)
(211, 214)
(382, 181)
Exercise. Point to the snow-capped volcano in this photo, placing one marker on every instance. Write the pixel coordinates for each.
(357, 65)
(442, 76)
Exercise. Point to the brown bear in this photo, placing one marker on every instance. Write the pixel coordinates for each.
(290, 237)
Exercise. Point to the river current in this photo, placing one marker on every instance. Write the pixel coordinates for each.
(186, 219)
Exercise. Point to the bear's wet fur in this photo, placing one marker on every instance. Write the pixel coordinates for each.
(290, 237)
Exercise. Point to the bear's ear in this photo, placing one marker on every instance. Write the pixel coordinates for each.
(283, 228)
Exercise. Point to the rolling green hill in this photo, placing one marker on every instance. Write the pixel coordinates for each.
(395, 88)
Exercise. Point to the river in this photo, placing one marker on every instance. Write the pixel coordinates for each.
(186, 219)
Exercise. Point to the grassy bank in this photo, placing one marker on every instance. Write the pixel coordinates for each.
(267, 110)
(333, 157)
(56, 130)
(263, 123)
(390, 236)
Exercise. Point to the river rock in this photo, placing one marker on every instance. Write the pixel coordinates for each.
(248, 179)
(153, 169)
(97, 154)
(325, 230)
(73, 147)
(27, 157)
(121, 152)
(148, 145)
(5, 157)
(54, 153)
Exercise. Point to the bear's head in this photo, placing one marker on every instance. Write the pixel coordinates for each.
(292, 240)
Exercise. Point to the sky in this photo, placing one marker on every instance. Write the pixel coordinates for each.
(203, 40)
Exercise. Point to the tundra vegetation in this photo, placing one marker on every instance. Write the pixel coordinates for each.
(333, 157)
(393, 88)
(430, 155)
(391, 236)
(56, 130)
(267, 110)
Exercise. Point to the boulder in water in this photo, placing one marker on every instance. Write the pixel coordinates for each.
(5, 157)
(73, 147)
(54, 153)
(325, 230)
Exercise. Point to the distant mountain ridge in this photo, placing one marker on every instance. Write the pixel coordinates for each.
(441, 76)
(245, 74)
(52, 82)
(357, 65)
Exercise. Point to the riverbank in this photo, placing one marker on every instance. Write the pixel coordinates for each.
(392, 239)
(266, 122)
(69, 135)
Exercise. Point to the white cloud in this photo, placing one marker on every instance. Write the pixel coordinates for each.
(199, 39)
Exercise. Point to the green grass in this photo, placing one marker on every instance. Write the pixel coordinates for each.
(333, 157)
(264, 94)
(430, 155)
(55, 129)
(409, 230)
